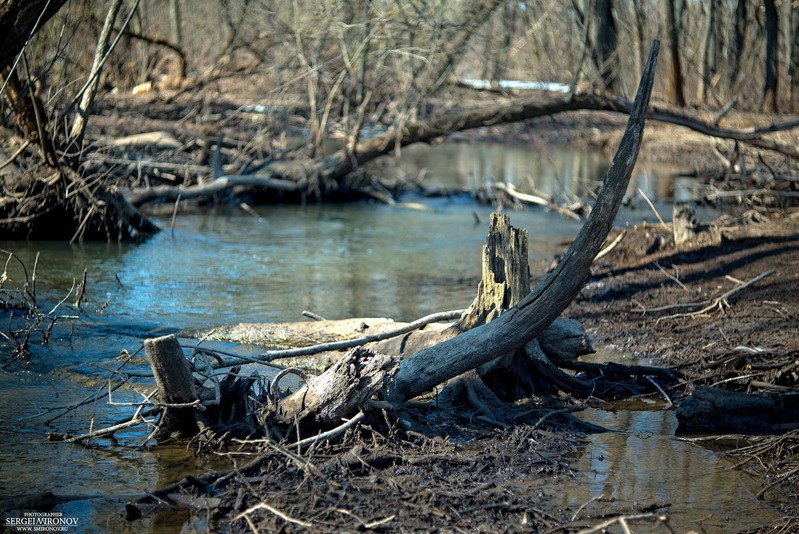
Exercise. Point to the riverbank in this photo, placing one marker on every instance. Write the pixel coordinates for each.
(461, 474)
(724, 315)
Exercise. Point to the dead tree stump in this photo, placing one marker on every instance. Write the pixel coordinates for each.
(505, 273)
(686, 228)
(175, 387)
(505, 280)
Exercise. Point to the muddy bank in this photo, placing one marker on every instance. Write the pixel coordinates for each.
(691, 308)
(648, 297)
(451, 474)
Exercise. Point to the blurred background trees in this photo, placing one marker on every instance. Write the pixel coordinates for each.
(340, 54)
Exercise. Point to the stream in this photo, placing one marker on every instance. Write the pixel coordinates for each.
(339, 261)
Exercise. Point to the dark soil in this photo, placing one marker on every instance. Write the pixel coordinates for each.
(648, 304)
(407, 482)
(395, 480)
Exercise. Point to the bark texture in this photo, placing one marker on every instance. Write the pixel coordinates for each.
(19, 21)
(505, 273)
(175, 385)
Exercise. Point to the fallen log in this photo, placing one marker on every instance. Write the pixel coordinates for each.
(324, 332)
(716, 411)
(315, 177)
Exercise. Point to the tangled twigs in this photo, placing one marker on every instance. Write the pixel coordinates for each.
(624, 520)
(771, 452)
(777, 481)
(718, 303)
(25, 316)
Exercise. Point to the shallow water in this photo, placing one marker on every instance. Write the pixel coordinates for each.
(338, 261)
(643, 464)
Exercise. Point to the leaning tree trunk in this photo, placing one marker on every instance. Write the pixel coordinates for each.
(362, 377)
(513, 329)
(19, 20)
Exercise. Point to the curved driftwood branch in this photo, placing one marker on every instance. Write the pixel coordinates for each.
(535, 312)
(361, 373)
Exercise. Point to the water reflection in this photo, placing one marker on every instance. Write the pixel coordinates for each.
(561, 173)
(564, 174)
(643, 464)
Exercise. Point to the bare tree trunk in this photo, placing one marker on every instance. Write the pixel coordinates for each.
(772, 39)
(738, 40)
(82, 117)
(605, 44)
(640, 19)
(675, 83)
(793, 72)
(176, 33)
(710, 43)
